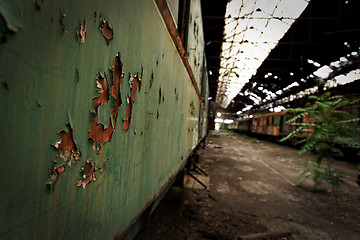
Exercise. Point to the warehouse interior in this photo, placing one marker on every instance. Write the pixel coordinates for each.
(324, 36)
(111, 109)
(320, 52)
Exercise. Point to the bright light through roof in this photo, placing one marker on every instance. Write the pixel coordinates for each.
(252, 30)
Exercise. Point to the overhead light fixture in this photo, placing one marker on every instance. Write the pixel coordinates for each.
(228, 121)
(218, 120)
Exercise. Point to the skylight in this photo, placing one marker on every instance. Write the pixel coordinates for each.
(252, 29)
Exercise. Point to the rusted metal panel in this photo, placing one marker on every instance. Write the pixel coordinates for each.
(85, 144)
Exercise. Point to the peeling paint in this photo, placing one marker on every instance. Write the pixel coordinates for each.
(106, 30)
(68, 153)
(66, 142)
(54, 174)
(104, 91)
(115, 88)
(100, 134)
(81, 32)
(135, 84)
(126, 122)
(117, 78)
(88, 174)
(67, 148)
(114, 113)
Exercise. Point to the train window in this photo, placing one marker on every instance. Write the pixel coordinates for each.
(183, 27)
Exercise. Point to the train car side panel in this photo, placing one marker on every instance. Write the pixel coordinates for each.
(99, 113)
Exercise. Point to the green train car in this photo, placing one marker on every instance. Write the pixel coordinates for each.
(102, 102)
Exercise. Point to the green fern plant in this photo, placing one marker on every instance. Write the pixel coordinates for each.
(330, 130)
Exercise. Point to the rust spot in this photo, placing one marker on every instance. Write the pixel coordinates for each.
(135, 84)
(126, 122)
(66, 142)
(115, 88)
(151, 80)
(88, 174)
(106, 30)
(67, 148)
(98, 133)
(68, 153)
(114, 113)
(117, 78)
(102, 84)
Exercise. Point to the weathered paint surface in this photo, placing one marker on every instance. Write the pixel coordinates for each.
(51, 55)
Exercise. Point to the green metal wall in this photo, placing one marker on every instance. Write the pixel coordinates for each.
(48, 80)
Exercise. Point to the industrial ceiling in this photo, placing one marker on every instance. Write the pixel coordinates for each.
(325, 36)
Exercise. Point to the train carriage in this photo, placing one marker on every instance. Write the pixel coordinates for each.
(102, 104)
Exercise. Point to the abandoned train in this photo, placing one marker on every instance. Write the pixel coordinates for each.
(274, 125)
(102, 104)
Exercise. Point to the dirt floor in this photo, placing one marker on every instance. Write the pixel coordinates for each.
(251, 196)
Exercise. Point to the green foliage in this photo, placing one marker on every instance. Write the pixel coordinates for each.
(319, 174)
(330, 128)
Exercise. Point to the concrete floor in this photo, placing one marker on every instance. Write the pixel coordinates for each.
(251, 192)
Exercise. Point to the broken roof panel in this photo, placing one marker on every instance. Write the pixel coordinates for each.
(252, 29)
